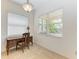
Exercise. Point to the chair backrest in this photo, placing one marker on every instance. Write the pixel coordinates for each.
(26, 34)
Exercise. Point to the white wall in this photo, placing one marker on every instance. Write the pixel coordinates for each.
(66, 45)
(3, 23)
(7, 7)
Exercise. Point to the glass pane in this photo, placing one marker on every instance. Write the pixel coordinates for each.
(44, 25)
(40, 28)
(55, 26)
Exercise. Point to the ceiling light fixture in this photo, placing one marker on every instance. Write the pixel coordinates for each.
(28, 6)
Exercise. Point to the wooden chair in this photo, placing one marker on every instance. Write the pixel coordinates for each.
(22, 43)
(29, 39)
(26, 36)
(25, 41)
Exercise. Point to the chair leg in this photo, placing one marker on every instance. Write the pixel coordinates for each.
(23, 47)
(28, 45)
(16, 45)
(32, 42)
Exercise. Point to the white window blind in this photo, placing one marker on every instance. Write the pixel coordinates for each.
(17, 24)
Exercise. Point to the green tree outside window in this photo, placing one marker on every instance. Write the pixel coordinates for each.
(52, 28)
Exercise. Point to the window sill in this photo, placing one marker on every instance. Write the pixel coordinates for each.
(53, 34)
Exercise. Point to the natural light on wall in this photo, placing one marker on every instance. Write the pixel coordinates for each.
(17, 24)
(52, 23)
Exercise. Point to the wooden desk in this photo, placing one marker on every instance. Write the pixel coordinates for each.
(12, 42)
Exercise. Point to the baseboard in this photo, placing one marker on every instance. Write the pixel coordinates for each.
(50, 50)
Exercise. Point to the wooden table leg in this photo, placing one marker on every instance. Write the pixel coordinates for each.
(16, 46)
(7, 49)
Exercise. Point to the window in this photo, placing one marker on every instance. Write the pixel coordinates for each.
(42, 25)
(17, 24)
(55, 26)
(52, 23)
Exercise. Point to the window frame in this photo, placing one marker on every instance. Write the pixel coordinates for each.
(47, 32)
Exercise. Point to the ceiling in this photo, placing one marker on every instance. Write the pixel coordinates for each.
(32, 1)
(43, 6)
(36, 3)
